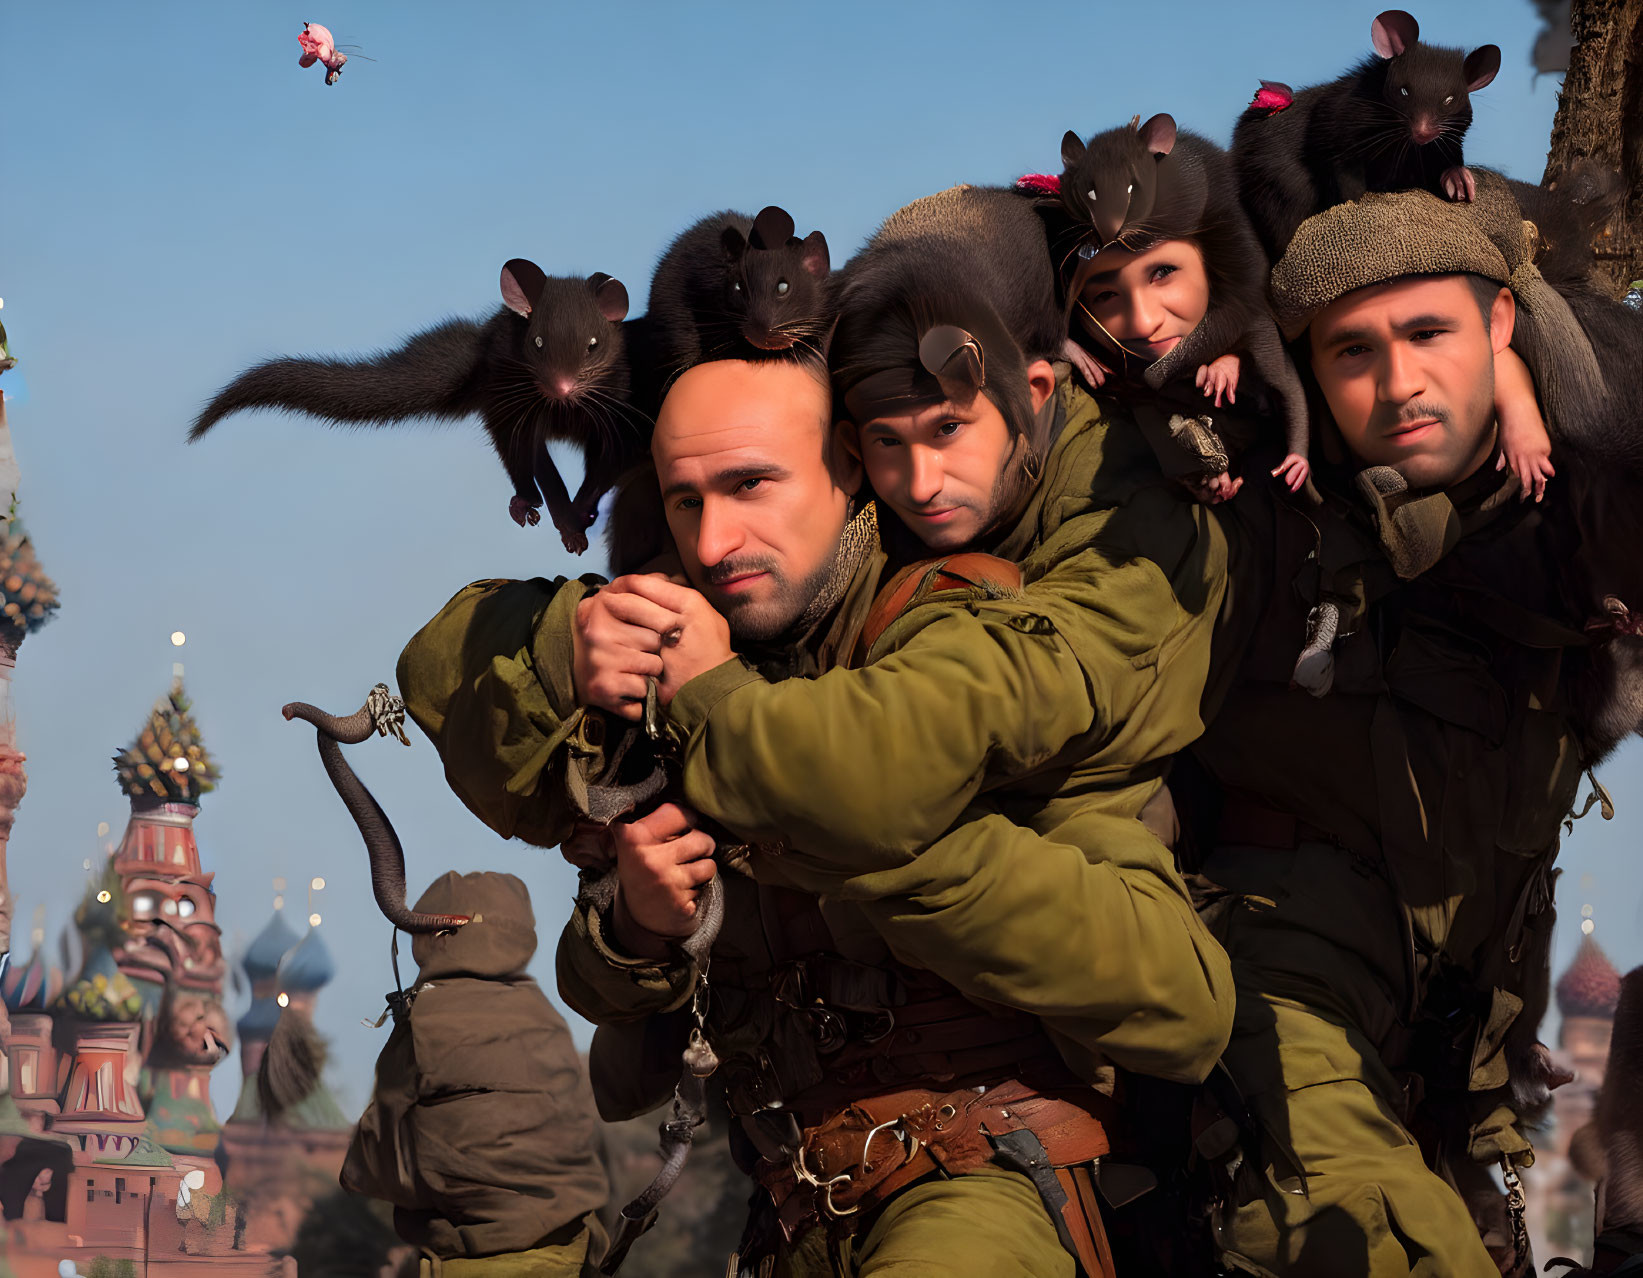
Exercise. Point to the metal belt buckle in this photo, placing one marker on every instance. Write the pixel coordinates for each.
(909, 1143)
(823, 1188)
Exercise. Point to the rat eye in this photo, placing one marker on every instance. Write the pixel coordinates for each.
(538, 342)
(592, 342)
(1449, 99)
(1405, 92)
(1130, 189)
(1091, 194)
(736, 286)
(781, 288)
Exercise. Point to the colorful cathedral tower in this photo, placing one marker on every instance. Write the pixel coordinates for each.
(1561, 1198)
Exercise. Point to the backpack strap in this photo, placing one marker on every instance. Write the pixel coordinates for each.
(988, 574)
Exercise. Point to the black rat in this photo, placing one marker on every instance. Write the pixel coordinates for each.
(1394, 122)
(1141, 184)
(552, 363)
(986, 240)
(738, 287)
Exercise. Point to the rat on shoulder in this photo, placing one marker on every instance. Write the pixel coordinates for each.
(551, 364)
(1394, 122)
(735, 287)
(1142, 187)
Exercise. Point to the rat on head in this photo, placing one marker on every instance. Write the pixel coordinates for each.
(1142, 190)
(734, 287)
(1427, 87)
(1127, 182)
(1394, 122)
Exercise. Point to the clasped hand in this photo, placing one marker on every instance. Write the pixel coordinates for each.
(643, 626)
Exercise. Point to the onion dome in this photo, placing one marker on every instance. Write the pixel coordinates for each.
(259, 1019)
(28, 598)
(166, 763)
(308, 967)
(1591, 986)
(271, 945)
(103, 992)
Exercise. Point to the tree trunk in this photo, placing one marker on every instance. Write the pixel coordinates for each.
(1600, 117)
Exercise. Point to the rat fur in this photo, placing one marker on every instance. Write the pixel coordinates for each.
(552, 363)
(735, 287)
(1143, 183)
(1394, 122)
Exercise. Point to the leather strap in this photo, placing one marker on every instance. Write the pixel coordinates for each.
(968, 571)
(863, 1154)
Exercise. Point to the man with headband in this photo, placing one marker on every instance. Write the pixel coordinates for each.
(1378, 859)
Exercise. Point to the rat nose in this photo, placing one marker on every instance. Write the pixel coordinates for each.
(563, 386)
(1425, 129)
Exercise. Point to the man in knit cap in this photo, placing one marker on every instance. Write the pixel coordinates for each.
(1378, 859)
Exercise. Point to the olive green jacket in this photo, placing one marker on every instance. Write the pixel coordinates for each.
(1050, 716)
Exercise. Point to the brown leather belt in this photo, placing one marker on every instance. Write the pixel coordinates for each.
(859, 1156)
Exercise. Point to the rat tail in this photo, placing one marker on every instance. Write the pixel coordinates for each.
(437, 373)
(382, 713)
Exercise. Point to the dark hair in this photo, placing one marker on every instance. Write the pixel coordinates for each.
(1486, 291)
(875, 348)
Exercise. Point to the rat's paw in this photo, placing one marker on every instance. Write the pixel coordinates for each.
(1294, 470)
(1459, 184)
(1089, 368)
(522, 512)
(1533, 467)
(1218, 379)
(575, 542)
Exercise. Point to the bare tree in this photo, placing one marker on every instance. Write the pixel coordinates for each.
(1600, 118)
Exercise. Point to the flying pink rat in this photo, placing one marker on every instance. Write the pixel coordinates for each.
(318, 45)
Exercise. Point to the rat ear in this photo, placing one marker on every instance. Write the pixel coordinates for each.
(1393, 32)
(522, 284)
(733, 243)
(611, 295)
(1158, 135)
(1072, 148)
(772, 229)
(955, 359)
(813, 254)
(1481, 66)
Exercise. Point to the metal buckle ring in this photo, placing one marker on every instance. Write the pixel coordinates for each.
(823, 1188)
(909, 1144)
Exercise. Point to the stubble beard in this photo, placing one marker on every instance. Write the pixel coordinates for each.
(757, 620)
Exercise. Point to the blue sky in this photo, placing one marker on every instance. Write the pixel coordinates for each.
(178, 199)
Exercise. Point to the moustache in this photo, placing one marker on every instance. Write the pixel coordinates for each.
(729, 569)
(1415, 410)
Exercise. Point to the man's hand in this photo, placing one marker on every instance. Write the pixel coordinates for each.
(615, 646)
(662, 863)
(696, 638)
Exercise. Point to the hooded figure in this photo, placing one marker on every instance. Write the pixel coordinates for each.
(480, 1128)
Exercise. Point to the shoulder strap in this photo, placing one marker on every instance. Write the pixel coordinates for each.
(968, 571)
